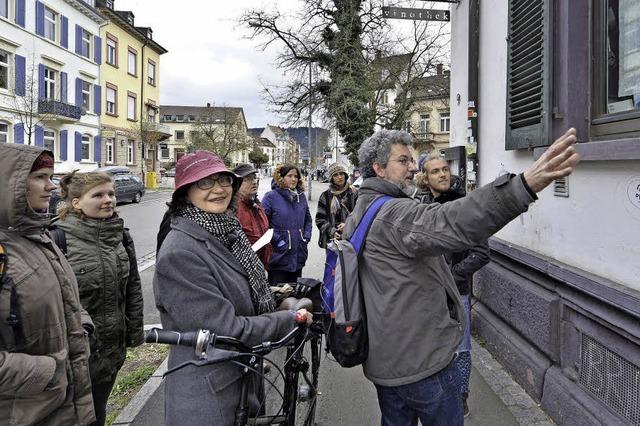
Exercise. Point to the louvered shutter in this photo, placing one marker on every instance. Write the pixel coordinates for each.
(64, 91)
(63, 145)
(97, 99)
(18, 133)
(40, 18)
(97, 50)
(78, 39)
(529, 73)
(41, 83)
(79, 92)
(64, 31)
(97, 149)
(20, 13)
(20, 75)
(78, 147)
(39, 135)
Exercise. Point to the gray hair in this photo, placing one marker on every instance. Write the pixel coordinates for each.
(377, 148)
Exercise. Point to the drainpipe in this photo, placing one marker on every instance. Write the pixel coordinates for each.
(473, 107)
(143, 149)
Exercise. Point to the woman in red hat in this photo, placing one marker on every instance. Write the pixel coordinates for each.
(208, 277)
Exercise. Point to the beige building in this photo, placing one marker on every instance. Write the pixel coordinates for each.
(222, 130)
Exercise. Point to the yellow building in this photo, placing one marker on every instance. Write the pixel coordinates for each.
(130, 78)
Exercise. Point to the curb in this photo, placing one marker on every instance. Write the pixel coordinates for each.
(140, 399)
(513, 396)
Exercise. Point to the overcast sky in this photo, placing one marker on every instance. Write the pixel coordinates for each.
(208, 59)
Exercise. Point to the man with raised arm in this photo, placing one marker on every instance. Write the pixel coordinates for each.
(415, 318)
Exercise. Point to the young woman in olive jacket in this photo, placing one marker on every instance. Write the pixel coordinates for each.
(103, 258)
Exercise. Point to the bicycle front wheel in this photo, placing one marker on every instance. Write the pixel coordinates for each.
(303, 392)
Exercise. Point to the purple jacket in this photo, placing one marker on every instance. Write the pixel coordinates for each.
(290, 219)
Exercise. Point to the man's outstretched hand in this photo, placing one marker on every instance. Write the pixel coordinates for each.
(558, 161)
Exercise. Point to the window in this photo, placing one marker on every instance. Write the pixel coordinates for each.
(112, 94)
(86, 44)
(50, 19)
(424, 123)
(445, 123)
(4, 8)
(130, 145)
(4, 132)
(112, 50)
(179, 117)
(49, 83)
(151, 114)
(616, 100)
(132, 59)
(131, 106)
(86, 148)
(4, 69)
(151, 73)
(179, 135)
(50, 141)
(166, 117)
(407, 126)
(164, 152)
(109, 144)
(192, 118)
(86, 96)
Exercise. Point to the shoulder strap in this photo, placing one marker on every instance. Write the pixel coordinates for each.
(12, 320)
(60, 238)
(360, 234)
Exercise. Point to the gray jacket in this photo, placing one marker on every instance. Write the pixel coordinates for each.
(414, 313)
(199, 284)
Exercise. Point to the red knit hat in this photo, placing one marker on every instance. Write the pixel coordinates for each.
(44, 161)
(200, 164)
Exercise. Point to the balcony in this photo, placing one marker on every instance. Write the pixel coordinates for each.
(57, 110)
(160, 132)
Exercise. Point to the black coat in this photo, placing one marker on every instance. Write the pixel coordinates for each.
(463, 263)
(326, 221)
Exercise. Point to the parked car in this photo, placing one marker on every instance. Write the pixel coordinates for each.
(129, 187)
(55, 202)
(170, 173)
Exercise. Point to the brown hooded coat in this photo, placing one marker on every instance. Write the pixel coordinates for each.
(44, 373)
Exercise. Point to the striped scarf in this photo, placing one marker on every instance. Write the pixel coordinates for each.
(227, 229)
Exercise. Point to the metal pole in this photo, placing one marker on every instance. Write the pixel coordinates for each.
(309, 132)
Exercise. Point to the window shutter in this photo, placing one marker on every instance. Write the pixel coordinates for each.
(63, 145)
(64, 31)
(79, 92)
(97, 99)
(39, 135)
(18, 133)
(20, 13)
(63, 87)
(97, 149)
(97, 50)
(39, 18)
(21, 80)
(78, 39)
(41, 81)
(529, 73)
(78, 147)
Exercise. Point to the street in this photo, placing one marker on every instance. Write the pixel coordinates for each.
(347, 398)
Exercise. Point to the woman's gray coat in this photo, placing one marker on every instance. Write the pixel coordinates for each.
(199, 284)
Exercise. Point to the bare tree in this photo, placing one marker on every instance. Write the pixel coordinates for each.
(223, 134)
(339, 41)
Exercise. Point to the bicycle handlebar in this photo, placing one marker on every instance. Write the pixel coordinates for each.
(167, 337)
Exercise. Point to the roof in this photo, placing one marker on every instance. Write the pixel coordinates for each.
(87, 10)
(119, 17)
(431, 87)
(217, 113)
(276, 130)
(255, 131)
(260, 141)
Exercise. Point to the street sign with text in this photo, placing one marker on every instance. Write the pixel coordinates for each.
(415, 14)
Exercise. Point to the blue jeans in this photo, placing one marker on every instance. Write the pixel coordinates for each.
(435, 400)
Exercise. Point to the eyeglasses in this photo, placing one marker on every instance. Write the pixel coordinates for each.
(251, 178)
(405, 161)
(209, 182)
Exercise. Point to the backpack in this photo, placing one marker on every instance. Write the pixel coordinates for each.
(59, 237)
(346, 330)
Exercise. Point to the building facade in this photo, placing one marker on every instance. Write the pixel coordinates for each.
(559, 305)
(50, 91)
(130, 77)
(222, 130)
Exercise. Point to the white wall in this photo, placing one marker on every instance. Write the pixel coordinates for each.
(596, 229)
(25, 42)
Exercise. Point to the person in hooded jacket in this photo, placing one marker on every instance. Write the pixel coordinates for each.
(289, 216)
(436, 184)
(335, 204)
(102, 255)
(44, 348)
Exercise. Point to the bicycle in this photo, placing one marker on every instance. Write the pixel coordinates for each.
(303, 346)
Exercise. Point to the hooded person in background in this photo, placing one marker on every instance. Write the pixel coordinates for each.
(437, 185)
(249, 210)
(289, 216)
(44, 349)
(334, 205)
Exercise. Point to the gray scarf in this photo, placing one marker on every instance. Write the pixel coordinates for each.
(227, 229)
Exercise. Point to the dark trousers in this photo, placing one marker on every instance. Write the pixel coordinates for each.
(435, 400)
(279, 277)
(101, 393)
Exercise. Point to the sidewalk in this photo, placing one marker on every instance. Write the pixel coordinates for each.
(349, 399)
